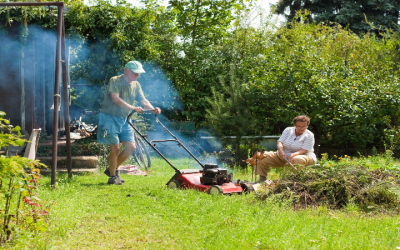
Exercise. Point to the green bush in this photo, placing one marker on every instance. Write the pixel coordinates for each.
(22, 211)
(392, 139)
(342, 81)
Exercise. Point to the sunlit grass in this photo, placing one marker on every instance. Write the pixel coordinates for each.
(381, 161)
(144, 214)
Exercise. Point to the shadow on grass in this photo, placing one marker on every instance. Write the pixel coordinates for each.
(65, 174)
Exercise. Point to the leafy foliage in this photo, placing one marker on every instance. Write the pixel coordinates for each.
(344, 82)
(337, 78)
(203, 27)
(7, 134)
(392, 138)
(229, 113)
(23, 211)
(357, 15)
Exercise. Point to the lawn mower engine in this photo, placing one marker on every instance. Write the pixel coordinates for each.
(213, 175)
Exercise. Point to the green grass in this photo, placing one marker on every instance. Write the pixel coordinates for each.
(371, 162)
(144, 214)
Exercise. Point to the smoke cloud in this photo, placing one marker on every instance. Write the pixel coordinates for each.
(27, 86)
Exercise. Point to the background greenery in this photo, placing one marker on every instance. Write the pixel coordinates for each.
(383, 14)
(206, 63)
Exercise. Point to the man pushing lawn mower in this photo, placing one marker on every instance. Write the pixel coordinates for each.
(113, 127)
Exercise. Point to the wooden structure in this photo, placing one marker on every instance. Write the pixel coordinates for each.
(29, 102)
(32, 145)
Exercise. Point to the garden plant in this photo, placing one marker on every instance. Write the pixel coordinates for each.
(22, 212)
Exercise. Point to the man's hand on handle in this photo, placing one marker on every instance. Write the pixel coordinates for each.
(138, 109)
(157, 111)
(290, 158)
(153, 110)
(148, 107)
(281, 154)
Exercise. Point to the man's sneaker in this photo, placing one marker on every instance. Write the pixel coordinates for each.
(115, 180)
(107, 172)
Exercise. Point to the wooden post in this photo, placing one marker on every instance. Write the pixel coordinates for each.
(66, 99)
(60, 26)
(56, 96)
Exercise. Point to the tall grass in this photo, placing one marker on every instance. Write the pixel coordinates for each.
(144, 214)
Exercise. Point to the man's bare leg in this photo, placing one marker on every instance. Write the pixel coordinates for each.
(113, 158)
(116, 159)
(129, 147)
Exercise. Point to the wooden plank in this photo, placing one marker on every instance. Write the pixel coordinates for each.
(31, 148)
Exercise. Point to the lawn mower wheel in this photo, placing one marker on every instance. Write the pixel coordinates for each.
(174, 184)
(216, 190)
(247, 188)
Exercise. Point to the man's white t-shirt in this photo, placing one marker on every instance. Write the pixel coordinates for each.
(292, 143)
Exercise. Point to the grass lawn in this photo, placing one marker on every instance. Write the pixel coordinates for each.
(144, 214)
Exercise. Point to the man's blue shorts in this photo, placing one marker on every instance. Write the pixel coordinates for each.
(113, 129)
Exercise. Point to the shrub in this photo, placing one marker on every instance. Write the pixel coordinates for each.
(21, 209)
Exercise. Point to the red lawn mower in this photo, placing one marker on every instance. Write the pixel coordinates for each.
(210, 178)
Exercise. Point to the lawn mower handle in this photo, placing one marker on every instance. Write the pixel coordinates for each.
(128, 119)
(169, 132)
(130, 114)
(180, 144)
(290, 164)
(144, 110)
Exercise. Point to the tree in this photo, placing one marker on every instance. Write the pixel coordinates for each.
(229, 113)
(382, 14)
(337, 78)
(203, 25)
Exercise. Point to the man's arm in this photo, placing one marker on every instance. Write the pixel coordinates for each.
(281, 153)
(117, 100)
(307, 146)
(300, 152)
(148, 105)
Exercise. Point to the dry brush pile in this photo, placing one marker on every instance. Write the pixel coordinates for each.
(337, 186)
